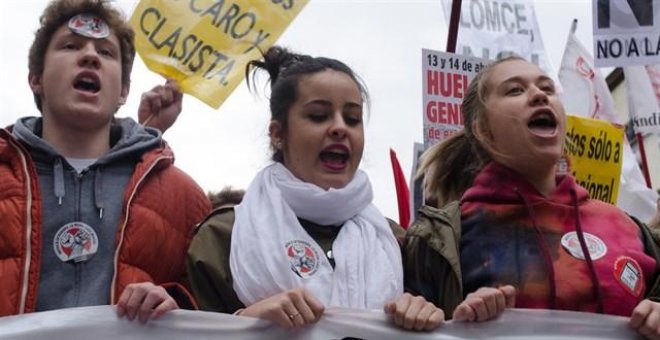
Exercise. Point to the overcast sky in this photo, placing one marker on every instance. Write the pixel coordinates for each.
(380, 39)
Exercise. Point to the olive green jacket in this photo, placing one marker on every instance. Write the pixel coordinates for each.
(431, 257)
(207, 262)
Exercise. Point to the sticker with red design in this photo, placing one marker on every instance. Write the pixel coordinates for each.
(89, 25)
(629, 274)
(595, 246)
(75, 242)
(303, 258)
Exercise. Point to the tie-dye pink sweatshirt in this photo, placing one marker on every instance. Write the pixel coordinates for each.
(511, 234)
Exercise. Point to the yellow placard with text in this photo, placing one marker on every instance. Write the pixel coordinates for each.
(205, 44)
(595, 150)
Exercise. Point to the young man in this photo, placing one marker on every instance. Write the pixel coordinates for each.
(92, 210)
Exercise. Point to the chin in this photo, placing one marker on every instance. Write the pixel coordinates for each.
(334, 183)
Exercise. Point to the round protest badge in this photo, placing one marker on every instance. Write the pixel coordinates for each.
(628, 273)
(595, 245)
(303, 258)
(89, 25)
(75, 242)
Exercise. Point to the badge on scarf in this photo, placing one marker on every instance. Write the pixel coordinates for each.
(89, 25)
(75, 242)
(595, 245)
(629, 274)
(303, 258)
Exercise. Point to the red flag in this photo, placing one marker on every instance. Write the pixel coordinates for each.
(402, 192)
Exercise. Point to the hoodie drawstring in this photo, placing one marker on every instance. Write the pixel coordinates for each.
(587, 255)
(58, 185)
(98, 191)
(547, 258)
(58, 180)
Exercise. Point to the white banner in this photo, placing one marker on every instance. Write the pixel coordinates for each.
(586, 94)
(101, 322)
(626, 32)
(490, 29)
(643, 88)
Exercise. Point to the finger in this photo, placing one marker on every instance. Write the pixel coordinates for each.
(164, 307)
(464, 313)
(490, 301)
(152, 299)
(413, 310)
(436, 319)
(423, 316)
(652, 323)
(123, 299)
(500, 303)
(389, 307)
(292, 313)
(304, 311)
(281, 317)
(134, 302)
(400, 307)
(156, 104)
(509, 295)
(639, 314)
(314, 304)
(166, 95)
(172, 84)
(479, 307)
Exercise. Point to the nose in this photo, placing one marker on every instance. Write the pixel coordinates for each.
(89, 56)
(338, 127)
(539, 97)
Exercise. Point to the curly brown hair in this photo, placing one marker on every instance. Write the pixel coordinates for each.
(59, 12)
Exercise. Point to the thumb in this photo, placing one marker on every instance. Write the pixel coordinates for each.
(461, 313)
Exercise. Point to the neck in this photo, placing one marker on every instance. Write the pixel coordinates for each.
(544, 181)
(77, 143)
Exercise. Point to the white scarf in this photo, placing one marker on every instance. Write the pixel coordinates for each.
(272, 253)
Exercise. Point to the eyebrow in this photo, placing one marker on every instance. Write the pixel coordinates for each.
(107, 39)
(518, 79)
(327, 103)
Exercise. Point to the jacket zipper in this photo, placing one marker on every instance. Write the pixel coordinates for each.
(78, 266)
(28, 227)
(123, 227)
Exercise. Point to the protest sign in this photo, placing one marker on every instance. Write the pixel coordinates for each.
(643, 88)
(204, 44)
(586, 94)
(626, 32)
(492, 29)
(595, 149)
(445, 78)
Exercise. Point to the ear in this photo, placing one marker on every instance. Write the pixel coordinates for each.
(275, 133)
(35, 83)
(125, 89)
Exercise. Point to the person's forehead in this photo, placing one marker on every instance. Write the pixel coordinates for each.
(64, 31)
(89, 25)
(515, 69)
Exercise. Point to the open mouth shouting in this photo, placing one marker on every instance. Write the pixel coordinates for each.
(543, 123)
(335, 157)
(87, 82)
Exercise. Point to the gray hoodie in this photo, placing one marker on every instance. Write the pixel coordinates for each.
(94, 197)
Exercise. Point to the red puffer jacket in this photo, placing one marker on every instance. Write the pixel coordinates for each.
(161, 207)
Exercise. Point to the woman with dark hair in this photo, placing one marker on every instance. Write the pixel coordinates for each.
(306, 234)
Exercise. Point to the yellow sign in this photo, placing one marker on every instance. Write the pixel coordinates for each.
(205, 44)
(595, 149)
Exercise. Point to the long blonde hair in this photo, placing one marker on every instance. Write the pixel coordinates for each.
(449, 167)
